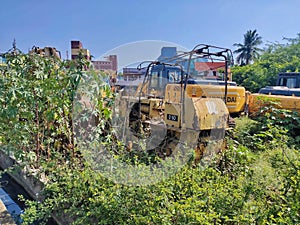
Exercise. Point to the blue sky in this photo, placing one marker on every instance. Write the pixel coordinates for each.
(104, 25)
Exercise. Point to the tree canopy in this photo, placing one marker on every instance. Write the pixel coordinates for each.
(275, 58)
(248, 51)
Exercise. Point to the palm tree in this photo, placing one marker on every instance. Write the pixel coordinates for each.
(248, 51)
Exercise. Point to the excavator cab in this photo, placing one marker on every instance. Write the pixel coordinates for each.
(161, 75)
(158, 75)
(290, 80)
(287, 85)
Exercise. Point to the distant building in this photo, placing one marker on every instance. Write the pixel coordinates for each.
(76, 49)
(111, 63)
(198, 68)
(130, 74)
(210, 68)
(166, 55)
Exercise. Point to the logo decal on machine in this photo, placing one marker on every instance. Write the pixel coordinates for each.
(231, 99)
(172, 117)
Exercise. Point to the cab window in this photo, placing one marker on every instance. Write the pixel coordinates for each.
(156, 79)
(173, 76)
(290, 82)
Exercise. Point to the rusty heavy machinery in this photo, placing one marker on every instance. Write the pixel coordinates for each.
(167, 110)
(201, 85)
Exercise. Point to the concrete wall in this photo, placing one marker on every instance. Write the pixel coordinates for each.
(5, 218)
(31, 184)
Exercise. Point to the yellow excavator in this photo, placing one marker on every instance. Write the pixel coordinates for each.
(286, 94)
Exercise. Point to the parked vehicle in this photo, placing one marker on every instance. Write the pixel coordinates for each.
(286, 93)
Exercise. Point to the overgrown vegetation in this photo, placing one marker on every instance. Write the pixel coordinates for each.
(38, 97)
(255, 181)
(244, 187)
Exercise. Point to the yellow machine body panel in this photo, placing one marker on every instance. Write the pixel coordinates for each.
(205, 113)
(256, 101)
(198, 113)
(173, 93)
(235, 101)
(172, 114)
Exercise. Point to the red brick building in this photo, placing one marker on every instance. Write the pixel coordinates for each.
(111, 62)
(209, 66)
(76, 49)
(212, 69)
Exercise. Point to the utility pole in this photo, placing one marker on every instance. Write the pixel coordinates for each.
(14, 50)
